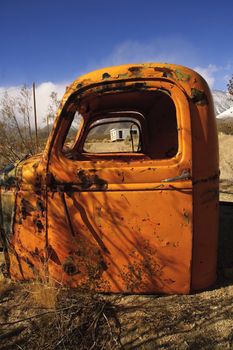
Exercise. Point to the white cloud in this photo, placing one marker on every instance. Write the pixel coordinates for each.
(216, 76)
(167, 49)
(208, 73)
(42, 92)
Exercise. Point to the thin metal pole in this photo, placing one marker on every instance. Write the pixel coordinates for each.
(34, 104)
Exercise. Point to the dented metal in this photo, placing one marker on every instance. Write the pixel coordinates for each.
(143, 220)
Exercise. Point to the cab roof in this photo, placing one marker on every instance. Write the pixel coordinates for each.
(187, 79)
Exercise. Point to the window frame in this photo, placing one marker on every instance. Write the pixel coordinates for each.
(85, 128)
(183, 117)
(93, 125)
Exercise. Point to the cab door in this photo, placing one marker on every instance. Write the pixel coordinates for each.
(120, 214)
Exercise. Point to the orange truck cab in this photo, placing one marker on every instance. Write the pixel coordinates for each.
(124, 197)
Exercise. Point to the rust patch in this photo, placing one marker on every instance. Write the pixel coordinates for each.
(181, 75)
(91, 181)
(106, 76)
(23, 208)
(141, 268)
(40, 206)
(79, 86)
(167, 72)
(135, 70)
(69, 267)
(39, 225)
(199, 97)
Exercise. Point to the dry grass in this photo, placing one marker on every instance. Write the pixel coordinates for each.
(6, 286)
(43, 293)
(95, 322)
(78, 322)
(225, 125)
(41, 314)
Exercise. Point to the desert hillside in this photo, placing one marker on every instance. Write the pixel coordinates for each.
(226, 166)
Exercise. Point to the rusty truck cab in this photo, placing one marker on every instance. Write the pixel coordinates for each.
(128, 184)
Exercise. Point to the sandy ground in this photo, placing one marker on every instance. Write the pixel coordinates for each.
(199, 321)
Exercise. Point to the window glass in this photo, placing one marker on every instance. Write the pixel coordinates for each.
(111, 136)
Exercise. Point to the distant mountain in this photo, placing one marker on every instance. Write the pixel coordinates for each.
(223, 103)
(226, 114)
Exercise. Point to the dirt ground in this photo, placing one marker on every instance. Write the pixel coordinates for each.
(81, 321)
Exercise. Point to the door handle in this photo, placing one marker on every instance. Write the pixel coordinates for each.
(184, 176)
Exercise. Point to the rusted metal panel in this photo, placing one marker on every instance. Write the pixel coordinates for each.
(135, 221)
(129, 248)
(28, 250)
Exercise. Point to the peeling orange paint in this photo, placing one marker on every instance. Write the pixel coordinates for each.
(141, 219)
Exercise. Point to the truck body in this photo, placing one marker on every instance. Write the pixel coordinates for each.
(135, 216)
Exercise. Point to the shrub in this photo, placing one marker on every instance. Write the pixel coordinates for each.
(225, 126)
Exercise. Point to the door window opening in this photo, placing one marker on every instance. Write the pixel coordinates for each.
(128, 122)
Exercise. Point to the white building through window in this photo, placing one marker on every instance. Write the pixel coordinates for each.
(123, 134)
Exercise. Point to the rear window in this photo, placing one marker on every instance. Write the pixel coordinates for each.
(114, 135)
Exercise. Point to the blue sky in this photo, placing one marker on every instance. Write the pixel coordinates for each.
(57, 40)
